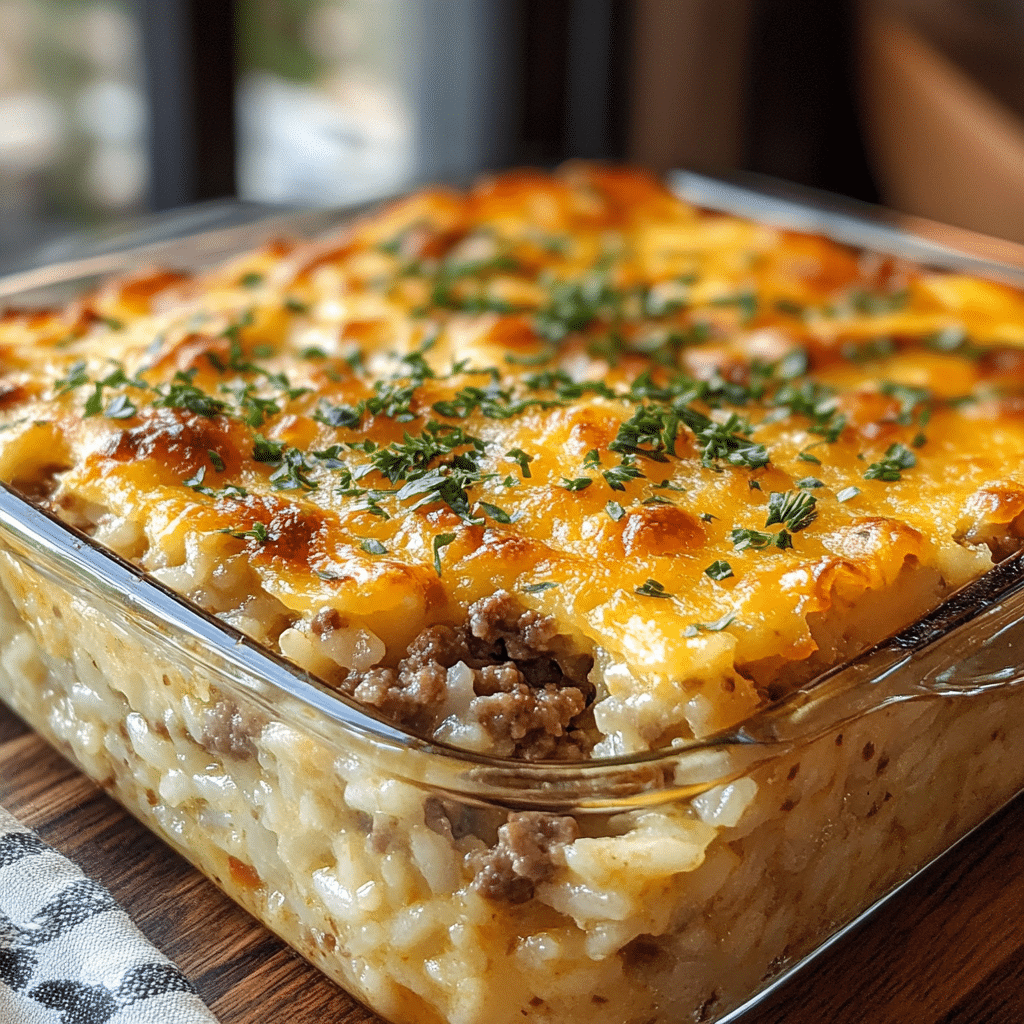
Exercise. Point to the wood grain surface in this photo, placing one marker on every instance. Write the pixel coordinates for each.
(948, 949)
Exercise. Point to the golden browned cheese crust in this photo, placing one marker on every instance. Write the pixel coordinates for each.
(718, 455)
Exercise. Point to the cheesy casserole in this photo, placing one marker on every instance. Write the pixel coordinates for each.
(561, 468)
(698, 459)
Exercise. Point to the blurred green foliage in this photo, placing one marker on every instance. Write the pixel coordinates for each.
(272, 38)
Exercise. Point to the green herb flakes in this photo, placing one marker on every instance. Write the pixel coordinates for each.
(652, 588)
(524, 460)
(794, 509)
(76, 377)
(442, 540)
(720, 570)
(499, 515)
(710, 627)
(579, 483)
(539, 588)
(258, 533)
(890, 467)
(742, 539)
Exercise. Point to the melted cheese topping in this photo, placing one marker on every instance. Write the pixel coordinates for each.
(718, 454)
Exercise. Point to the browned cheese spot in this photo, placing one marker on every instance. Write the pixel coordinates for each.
(662, 530)
(178, 440)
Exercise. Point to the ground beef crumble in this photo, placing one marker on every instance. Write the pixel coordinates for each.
(528, 851)
(530, 684)
(228, 730)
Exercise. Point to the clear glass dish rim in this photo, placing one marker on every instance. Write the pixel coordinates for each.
(607, 782)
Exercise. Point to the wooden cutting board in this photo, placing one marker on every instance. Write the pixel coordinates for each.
(948, 949)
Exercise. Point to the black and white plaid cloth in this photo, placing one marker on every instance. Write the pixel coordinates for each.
(70, 955)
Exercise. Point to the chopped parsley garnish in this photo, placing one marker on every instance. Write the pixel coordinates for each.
(196, 481)
(876, 303)
(94, 403)
(651, 588)
(373, 547)
(913, 402)
(460, 286)
(847, 493)
(264, 450)
(419, 368)
(75, 378)
(814, 401)
(897, 458)
(728, 442)
(182, 393)
(328, 576)
(338, 415)
(215, 460)
(254, 410)
(710, 627)
(120, 408)
(868, 350)
(745, 302)
(499, 515)
(564, 386)
(575, 305)
(809, 483)
(538, 588)
(197, 484)
(258, 533)
(293, 473)
(794, 509)
(524, 460)
(442, 540)
(615, 510)
(650, 432)
(539, 359)
(493, 402)
(330, 458)
(392, 399)
(720, 570)
(411, 458)
(618, 476)
(447, 484)
(758, 540)
(374, 508)
(251, 280)
(579, 483)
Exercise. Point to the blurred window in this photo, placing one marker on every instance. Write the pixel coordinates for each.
(342, 100)
(324, 113)
(72, 116)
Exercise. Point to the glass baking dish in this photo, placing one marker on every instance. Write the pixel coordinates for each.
(675, 885)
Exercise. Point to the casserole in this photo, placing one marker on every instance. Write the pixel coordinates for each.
(673, 874)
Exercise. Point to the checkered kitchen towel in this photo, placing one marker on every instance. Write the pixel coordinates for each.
(70, 955)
